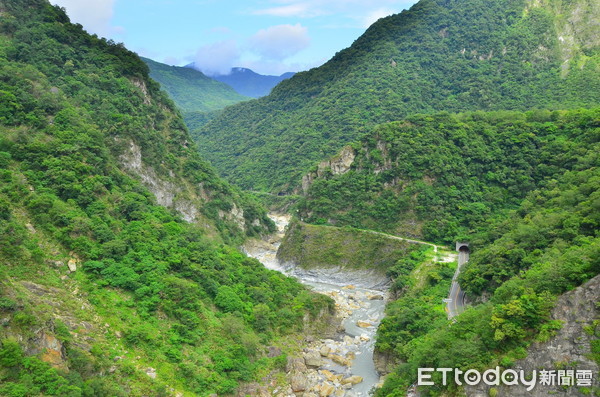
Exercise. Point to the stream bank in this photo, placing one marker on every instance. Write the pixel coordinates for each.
(341, 366)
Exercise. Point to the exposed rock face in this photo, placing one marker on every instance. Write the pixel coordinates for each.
(343, 161)
(171, 195)
(576, 30)
(569, 349)
(384, 363)
(52, 350)
(142, 86)
(163, 191)
(337, 165)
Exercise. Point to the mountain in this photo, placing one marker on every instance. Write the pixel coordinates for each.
(527, 261)
(441, 176)
(191, 90)
(118, 269)
(524, 190)
(249, 83)
(441, 55)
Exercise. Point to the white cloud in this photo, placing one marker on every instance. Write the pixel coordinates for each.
(374, 15)
(94, 15)
(280, 42)
(363, 12)
(276, 68)
(300, 10)
(217, 58)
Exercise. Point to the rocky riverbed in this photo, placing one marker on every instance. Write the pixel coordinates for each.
(341, 366)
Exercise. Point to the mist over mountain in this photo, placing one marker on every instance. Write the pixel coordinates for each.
(249, 83)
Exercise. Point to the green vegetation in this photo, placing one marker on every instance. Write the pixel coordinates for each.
(421, 283)
(191, 90)
(99, 283)
(525, 189)
(446, 176)
(312, 246)
(545, 248)
(441, 55)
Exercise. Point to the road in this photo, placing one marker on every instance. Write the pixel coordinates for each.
(456, 298)
(391, 236)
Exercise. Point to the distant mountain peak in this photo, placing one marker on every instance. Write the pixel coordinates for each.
(247, 82)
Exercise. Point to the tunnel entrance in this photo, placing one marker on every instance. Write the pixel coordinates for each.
(463, 247)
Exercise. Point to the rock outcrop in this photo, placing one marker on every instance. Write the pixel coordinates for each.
(569, 349)
(337, 165)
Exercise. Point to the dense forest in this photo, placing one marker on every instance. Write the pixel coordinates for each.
(102, 291)
(438, 56)
(545, 247)
(443, 176)
(523, 188)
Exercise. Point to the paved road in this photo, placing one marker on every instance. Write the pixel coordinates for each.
(456, 299)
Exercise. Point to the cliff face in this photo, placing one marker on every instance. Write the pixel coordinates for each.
(569, 349)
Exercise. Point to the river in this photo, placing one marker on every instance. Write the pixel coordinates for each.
(342, 366)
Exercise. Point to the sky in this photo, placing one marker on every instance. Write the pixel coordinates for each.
(268, 36)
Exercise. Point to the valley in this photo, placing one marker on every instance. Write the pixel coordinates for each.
(163, 235)
(331, 366)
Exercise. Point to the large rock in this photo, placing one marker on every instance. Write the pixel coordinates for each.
(571, 345)
(312, 359)
(353, 380)
(340, 360)
(326, 390)
(52, 351)
(72, 264)
(295, 364)
(298, 382)
(325, 350)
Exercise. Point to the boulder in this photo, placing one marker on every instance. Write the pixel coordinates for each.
(325, 350)
(151, 372)
(298, 382)
(72, 264)
(295, 364)
(340, 360)
(312, 359)
(326, 390)
(353, 380)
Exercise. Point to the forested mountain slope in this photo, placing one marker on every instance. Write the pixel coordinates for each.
(192, 90)
(522, 188)
(446, 55)
(519, 265)
(441, 176)
(115, 276)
